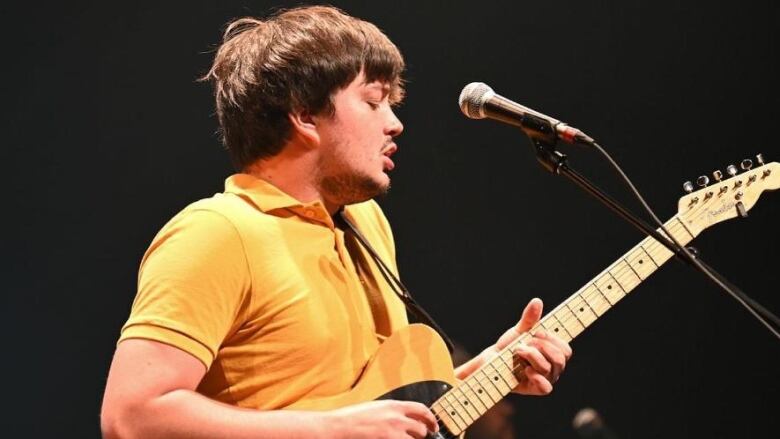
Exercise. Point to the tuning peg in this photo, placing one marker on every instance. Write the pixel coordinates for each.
(741, 211)
(717, 175)
(703, 181)
(688, 187)
(746, 164)
(731, 170)
(760, 159)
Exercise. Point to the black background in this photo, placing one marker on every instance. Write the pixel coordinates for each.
(107, 134)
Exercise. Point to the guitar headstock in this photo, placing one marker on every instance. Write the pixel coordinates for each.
(729, 198)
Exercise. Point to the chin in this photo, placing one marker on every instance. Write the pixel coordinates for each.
(352, 189)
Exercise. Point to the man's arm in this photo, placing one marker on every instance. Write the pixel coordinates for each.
(545, 354)
(150, 394)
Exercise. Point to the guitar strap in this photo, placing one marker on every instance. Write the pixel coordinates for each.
(393, 281)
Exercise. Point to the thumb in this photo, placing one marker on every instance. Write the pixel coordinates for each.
(531, 315)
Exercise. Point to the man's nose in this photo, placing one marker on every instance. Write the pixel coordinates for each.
(394, 126)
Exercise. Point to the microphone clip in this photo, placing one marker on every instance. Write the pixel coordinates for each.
(550, 158)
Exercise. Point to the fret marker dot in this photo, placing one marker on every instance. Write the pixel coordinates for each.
(609, 287)
(452, 413)
(582, 309)
(479, 391)
(641, 261)
(495, 378)
(556, 329)
(465, 403)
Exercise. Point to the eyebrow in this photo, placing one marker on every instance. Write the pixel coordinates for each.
(383, 87)
(376, 83)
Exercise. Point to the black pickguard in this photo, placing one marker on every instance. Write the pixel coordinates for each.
(424, 392)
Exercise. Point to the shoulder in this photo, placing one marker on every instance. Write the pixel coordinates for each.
(221, 215)
(208, 227)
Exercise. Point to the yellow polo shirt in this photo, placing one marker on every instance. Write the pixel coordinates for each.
(263, 290)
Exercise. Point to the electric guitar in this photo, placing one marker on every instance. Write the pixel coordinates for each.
(414, 364)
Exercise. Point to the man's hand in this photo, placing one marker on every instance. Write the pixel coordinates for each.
(544, 355)
(383, 420)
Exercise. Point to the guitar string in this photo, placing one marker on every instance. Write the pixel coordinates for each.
(620, 277)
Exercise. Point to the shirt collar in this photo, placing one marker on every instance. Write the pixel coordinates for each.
(268, 198)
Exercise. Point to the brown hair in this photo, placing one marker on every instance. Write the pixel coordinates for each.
(293, 61)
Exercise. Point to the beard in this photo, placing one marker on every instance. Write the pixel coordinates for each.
(350, 188)
(341, 182)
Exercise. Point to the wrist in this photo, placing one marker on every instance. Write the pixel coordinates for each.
(330, 424)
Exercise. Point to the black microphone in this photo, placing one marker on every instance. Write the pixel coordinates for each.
(479, 101)
(589, 425)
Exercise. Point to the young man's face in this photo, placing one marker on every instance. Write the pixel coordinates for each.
(357, 142)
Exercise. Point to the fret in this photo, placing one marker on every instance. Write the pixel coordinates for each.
(507, 358)
(577, 312)
(571, 324)
(688, 238)
(622, 288)
(642, 264)
(607, 289)
(574, 313)
(446, 417)
(580, 307)
(551, 326)
(644, 250)
(546, 324)
(466, 404)
(495, 388)
(479, 394)
(639, 278)
(611, 288)
(456, 411)
(497, 379)
(660, 252)
(559, 325)
(605, 303)
(624, 276)
(595, 300)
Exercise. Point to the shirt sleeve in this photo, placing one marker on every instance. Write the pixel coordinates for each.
(192, 285)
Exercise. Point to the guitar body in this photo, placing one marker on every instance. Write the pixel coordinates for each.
(411, 365)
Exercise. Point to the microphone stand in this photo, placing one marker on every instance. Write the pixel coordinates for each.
(555, 162)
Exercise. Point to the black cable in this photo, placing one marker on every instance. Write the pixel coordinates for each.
(733, 291)
(394, 282)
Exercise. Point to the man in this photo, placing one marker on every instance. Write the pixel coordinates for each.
(256, 299)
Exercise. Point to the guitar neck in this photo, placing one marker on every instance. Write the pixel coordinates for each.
(471, 398)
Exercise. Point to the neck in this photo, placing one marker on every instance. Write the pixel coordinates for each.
(293, 171)
(472, 397)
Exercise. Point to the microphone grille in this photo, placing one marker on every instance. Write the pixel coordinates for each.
(472, 99)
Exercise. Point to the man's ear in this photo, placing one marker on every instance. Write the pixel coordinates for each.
(304, 126)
